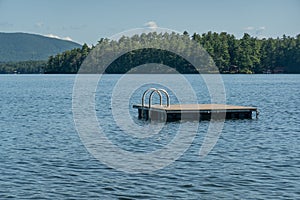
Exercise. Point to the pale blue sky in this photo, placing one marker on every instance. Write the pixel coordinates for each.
(89, 20)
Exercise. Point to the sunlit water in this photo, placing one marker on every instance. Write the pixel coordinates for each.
(42, 156)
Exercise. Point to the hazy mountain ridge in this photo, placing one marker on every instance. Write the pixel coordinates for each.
(25, 46)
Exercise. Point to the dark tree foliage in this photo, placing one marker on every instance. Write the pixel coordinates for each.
(67, 62)
(137, 51)
(23, 67)
(250, 54)
(132, 59)
(230, 54)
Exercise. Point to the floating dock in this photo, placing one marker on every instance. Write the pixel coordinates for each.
(177, 112)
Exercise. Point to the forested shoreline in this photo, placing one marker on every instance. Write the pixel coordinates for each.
(230, 55)
(23, 67)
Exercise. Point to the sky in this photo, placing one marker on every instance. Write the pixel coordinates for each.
(89, 20)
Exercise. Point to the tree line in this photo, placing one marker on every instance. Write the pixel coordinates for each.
(23, 67)
(230, 54)
(250, 54)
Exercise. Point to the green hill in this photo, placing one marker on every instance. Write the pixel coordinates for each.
(24, 46)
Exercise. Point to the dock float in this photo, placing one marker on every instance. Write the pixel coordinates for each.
(189, 112)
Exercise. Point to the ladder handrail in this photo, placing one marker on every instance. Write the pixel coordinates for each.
(159, 90)
(153, 90)
(167, 95)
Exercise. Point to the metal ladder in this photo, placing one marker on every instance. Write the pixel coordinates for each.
(157, 91)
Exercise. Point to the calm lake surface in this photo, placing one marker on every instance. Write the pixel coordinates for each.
(43, 157)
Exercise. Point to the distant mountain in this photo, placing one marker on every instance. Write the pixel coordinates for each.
(24, 46)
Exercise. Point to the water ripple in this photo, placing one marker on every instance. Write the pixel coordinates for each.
(42, 156)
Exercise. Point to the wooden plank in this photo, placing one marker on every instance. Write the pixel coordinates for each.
(197, 107)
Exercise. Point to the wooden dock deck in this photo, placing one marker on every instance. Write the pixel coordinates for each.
(177, 112)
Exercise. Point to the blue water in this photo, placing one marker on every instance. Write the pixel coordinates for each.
(43, 157)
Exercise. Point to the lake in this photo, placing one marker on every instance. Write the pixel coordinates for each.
(43, 156)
